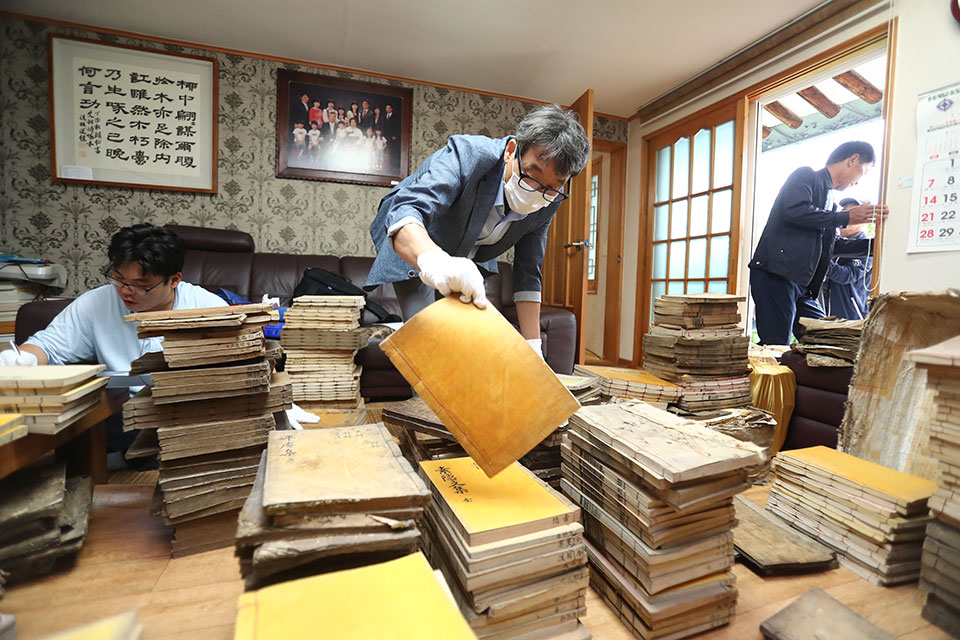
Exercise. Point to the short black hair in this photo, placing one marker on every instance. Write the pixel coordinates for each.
(847, 149)
(157, 250)
(849, 202)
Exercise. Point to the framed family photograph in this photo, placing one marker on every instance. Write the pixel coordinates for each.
(132, 117)
(342, 130)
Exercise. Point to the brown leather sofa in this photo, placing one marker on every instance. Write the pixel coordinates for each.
(221, 258)
(818, 409)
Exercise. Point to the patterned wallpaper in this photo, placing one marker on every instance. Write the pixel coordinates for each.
(72, 224)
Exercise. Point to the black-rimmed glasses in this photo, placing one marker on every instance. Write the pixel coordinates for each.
(529, 183)
(134, 288)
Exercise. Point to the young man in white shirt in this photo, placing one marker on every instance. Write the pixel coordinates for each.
(144, 274)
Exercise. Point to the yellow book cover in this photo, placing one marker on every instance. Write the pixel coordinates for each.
(497, 397)
(398, 599)
(629, 375)
(896, 484)
(510, 504)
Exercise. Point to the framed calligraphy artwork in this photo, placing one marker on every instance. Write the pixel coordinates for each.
(132, 117)
(342, 130)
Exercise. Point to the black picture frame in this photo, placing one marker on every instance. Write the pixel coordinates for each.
(341, 152)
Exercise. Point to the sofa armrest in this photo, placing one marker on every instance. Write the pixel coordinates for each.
(558, 330)
(34, 316)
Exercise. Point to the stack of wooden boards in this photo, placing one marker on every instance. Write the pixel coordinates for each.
(206, 416)
(940, 561)
(696, 342)
(510, 547)
(872, 516)
(328, 499)
(657, 498)
(43, 516)
(828, 342)
(401, 598)
(321, 336)
(50, 398)
(619, 382)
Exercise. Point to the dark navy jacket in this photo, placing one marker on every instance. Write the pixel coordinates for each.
(451, 194)
(844, 294)
(800, 236)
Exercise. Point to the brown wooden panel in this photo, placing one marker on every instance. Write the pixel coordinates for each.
(819, 101)
(784, 115)
(859, 86)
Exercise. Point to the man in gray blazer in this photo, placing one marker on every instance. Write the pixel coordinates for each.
(469, 203)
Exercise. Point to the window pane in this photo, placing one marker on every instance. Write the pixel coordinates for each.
(696, 286)
(663, 174)
(701, 161)
(594, 216)
(660, 260)
(722, 203)
(723, 156)
(698, 215)
(661, 218)
(657, 290)
(678, 256)
(719, 256)
(698, 258)
(717, 286)
(681, 167)
(678, 220)
(675, 288)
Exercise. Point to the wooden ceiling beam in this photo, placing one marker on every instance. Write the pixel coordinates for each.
(784, 115)
(820, 102)
(859, 86)
(766, 131)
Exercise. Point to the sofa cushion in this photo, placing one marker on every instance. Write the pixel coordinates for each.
(214, 270)
(836, 379)
(278, 274)
(206, 239)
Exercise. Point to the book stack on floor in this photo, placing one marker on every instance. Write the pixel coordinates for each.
(828, 342)
(321, 337)
(657, 498)
(940, 561)
(585, 388)
(747, 425)
(328, 499)
(696, 342)
(421, 434)
(510, 547)
(400, 598)
(50, 398)
(43, 517)
(207, 414)
(636, 384)
(872, 516)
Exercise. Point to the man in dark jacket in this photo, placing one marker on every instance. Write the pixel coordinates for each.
(800, 239)
(846, 284)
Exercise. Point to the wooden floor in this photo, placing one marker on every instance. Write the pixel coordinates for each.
(125, 565)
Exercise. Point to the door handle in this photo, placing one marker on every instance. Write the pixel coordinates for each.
(578, 245)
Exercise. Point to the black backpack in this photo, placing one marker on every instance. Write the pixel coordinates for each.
(320, 282)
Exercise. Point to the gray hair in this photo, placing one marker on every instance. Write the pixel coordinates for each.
(557, 132)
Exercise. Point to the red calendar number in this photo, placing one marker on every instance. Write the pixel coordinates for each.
(926, 217)
(926, 233)
(929, 200)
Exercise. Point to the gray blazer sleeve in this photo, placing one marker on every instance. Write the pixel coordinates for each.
(432, 192)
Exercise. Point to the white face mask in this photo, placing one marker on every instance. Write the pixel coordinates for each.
(520, 200)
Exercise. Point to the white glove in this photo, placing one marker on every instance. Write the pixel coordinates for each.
(447, 275)
(10, 358)
(537, 344)
(303, 417)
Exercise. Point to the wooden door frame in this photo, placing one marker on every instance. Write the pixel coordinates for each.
(616, 213)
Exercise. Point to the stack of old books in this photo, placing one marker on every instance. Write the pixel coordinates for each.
(828, 342)
(510, 547)
(872, 516)
(400, 598)
(940, 561)
(637, 384)
(207, 415)
(696, 342)
(747, 424)
(12, 427)
(328, 499)
(43, 516)
(657, 498)
(321, 337)
(421, 434)
(585, 388)
(50, 398)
